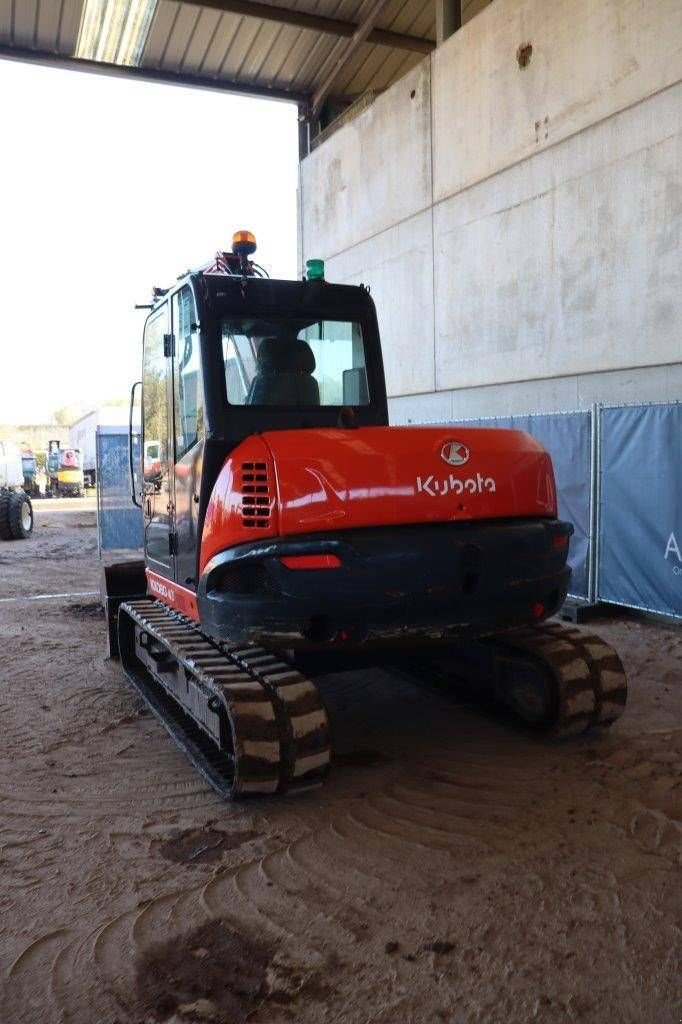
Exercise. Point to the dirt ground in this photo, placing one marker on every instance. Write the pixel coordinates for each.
(451, 870)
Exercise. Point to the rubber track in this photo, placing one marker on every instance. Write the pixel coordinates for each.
(589, 681)
(278, 724)
(589, 676)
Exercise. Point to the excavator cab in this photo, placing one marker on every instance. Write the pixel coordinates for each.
(229, 354)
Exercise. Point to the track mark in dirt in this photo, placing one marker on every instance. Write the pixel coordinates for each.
(200, 845)
(90, 610)
(140, 710)
(40, 946)
(209, 973)
(361, 758)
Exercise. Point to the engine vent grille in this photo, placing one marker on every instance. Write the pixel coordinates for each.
(256, 497)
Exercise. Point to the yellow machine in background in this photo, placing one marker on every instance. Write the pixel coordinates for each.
(64, 471)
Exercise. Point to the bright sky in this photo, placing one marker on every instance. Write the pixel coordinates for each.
(109, 187)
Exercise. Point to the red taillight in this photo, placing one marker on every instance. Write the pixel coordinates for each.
(538, 610)
(560, 541)
(311, 561)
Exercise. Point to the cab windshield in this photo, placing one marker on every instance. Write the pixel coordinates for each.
(294, 362)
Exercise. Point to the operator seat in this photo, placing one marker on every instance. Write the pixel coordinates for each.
(284, 368)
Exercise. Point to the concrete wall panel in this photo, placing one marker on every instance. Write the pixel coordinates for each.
(589, 60)
(627, 387)
(398, 267)
(568, 263)
(371, 173)
(556, 279)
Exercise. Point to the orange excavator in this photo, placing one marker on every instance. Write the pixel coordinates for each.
(290, 532)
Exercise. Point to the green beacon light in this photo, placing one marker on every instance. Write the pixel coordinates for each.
(314, 270)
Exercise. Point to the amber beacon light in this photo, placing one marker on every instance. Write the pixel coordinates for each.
(243, 243)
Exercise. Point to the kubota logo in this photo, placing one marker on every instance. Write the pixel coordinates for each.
(454, 453)
(451, 484)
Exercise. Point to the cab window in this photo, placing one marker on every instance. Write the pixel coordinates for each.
(294, 362)
(155, 416)
(189, 398)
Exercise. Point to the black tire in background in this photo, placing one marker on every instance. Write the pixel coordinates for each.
(20, 515)
(5, 528)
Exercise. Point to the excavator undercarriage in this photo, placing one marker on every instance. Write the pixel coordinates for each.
(252, 723)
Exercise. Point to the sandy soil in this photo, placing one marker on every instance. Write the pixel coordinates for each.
(451, 870)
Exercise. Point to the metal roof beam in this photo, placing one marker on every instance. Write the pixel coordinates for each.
(47, 58)
(315, 22)
(338, 64)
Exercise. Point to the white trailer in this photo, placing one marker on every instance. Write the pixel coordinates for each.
(83, 434)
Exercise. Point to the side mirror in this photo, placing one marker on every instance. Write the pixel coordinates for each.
(134, 489)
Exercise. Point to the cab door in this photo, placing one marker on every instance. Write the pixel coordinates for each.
(188, 434)
(157, 444)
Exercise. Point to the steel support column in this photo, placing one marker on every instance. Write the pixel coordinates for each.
(448, 19)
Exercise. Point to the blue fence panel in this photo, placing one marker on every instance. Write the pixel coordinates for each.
(640, 514)
(567, 436)
(568, 439)
(119, 521)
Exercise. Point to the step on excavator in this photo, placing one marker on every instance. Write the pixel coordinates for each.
(290, 532)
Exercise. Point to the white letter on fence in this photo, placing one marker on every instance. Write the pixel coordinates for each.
(672, 546)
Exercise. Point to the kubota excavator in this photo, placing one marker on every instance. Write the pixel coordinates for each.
(290, 532)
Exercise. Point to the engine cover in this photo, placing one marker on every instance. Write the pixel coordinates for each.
(288, 482)
(373, 476)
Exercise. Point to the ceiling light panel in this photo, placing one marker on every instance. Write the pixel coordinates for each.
(114, 31)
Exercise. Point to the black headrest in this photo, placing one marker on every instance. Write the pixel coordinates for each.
(306, 359)
(285, 355)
